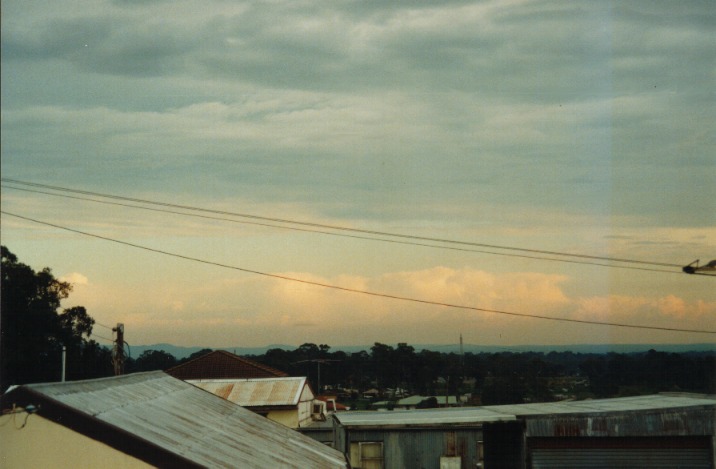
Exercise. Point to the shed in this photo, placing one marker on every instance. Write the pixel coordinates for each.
(288, 401)
(655, 431)
(429, 438)
(220, 364)
(144, 420)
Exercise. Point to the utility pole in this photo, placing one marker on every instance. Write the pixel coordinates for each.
(118, 351)
(64, 362)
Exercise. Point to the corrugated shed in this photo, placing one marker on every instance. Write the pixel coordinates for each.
(620, 404)
(657, 414)
(257, 392)
(221, 364)
(164, 414)
(420, 418)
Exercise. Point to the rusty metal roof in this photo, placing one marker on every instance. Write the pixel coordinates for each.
(221, 364)
(157, 418)
(265, 392)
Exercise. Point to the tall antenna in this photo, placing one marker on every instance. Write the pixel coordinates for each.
(462, 358)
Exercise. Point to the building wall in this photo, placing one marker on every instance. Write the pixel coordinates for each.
(43, 443)
(288, 418)
(419, 448)
(305, 407)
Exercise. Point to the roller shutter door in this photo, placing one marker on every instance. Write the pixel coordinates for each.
(618, 453)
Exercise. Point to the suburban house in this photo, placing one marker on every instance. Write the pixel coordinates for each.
(145, 420)
(288, 401)
(663, 430)
(220, 364)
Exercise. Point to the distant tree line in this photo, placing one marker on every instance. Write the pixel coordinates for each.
(34, 330)
(498, 378)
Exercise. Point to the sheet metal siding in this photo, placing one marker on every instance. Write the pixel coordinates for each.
(621, 458)
(192, 423)
(421, 449)
(674, 422)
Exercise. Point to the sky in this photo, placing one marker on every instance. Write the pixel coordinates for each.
(577, 127)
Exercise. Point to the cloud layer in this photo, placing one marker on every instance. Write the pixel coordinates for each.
(582, 127)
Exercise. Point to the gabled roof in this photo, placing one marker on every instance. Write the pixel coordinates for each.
(259, 392)
(169, 423)
(220, 364)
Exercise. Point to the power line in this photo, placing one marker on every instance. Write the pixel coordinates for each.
(101, 337)
(102, 325)
(293, 228)
(353, 290)
(348, 229)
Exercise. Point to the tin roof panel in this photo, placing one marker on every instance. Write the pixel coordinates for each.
(256, 392)
(183, 420)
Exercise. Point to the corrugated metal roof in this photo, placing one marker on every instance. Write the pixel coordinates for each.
(619, 404)
(183, 420)
(421, 417)
(476, 415)
(221, 364)
(256, 392)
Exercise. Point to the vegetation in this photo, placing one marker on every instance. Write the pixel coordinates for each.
(34, 331)
(495, 378)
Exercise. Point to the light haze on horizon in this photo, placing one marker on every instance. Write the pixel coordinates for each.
(578, 127)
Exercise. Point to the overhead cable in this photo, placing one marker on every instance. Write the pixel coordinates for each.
(347, 229)
(308, 230)
(353, 290)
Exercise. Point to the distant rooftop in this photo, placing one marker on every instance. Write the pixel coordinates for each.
(257, 391)
(221, 364)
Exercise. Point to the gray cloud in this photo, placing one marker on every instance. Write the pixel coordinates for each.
(554, 105)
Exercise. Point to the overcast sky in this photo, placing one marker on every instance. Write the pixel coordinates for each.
(577, 127)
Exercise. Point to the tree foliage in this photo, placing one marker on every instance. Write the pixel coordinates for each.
(34, 330)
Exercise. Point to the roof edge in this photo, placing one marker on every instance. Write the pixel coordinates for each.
(96, 429)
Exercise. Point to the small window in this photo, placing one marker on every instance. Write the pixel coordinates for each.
(317, 409)
(367, 455)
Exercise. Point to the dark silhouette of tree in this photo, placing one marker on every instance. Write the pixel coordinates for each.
(33, 332)
(151, 360)
(197, 354)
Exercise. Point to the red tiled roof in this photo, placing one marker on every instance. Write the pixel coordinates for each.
(220, 364)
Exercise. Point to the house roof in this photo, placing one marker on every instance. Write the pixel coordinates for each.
(221, 364)
(169, 423)
(264, 392)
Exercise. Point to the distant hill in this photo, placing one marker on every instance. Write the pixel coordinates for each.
(183, 352)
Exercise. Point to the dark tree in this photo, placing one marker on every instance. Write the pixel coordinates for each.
(33, 332)
(151, 360)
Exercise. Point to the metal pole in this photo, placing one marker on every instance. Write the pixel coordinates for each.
(64, 361)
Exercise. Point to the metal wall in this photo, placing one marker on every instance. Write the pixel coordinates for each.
(632, 453)
(419, 448)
